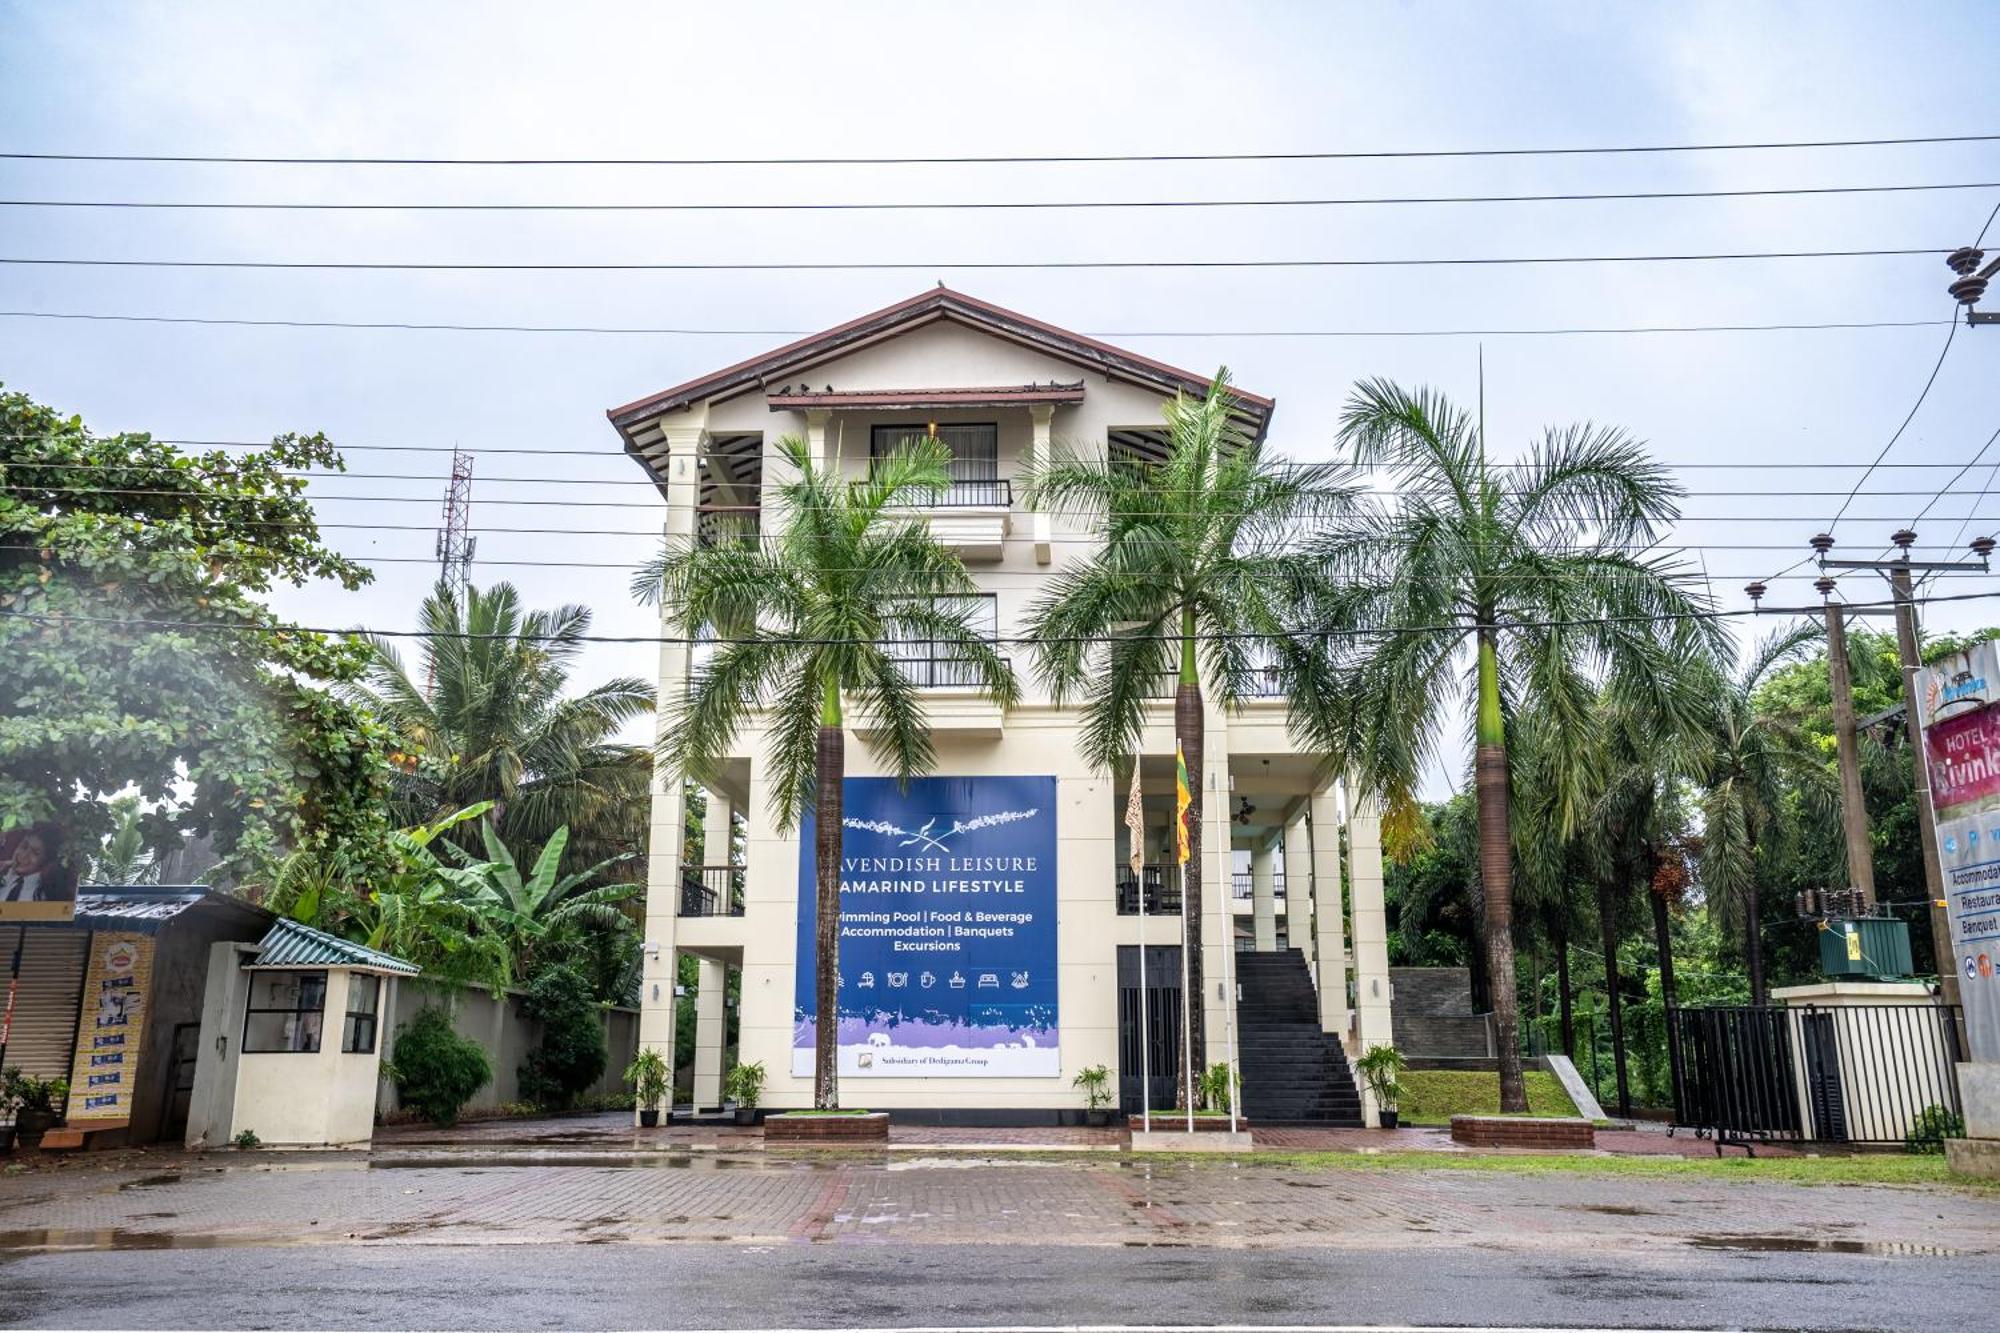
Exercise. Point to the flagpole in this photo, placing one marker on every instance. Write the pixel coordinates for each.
(1229, 991)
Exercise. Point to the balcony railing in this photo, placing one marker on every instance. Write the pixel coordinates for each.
(963, 493)
(1264, 683)
(1161, 887)
(711, 890)
(1245, 886)
(939, 673)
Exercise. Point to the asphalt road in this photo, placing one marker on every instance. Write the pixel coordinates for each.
(849, 1286)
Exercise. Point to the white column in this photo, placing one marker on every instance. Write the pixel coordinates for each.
(716, 830)
(1329, 940)
(1264, 897)
(1298, 887)
(1371, 932)
(1218, 925)
(708, 1034)
(668, 831)
(1042, 415)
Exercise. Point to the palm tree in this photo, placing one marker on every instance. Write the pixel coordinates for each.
(1199, 576)
(485, 718)
(125, 857)
(806, 621)
(1755, 756)
(1526, 564)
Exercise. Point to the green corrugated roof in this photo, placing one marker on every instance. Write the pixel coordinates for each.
(289, 944)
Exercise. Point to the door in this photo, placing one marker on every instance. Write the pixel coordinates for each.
(1829, 1108)
(41, 1039)
(1162, 1050)
(186, 1051)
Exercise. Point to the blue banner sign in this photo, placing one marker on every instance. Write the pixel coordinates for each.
(947, 930)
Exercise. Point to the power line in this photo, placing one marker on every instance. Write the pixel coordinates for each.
(1967, 467)
(1706, 614)
(1908, 417)
(958, 205)
(935, 266)
(993, 160)
(626, 330)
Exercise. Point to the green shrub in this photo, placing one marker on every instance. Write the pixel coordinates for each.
(1933, 1125)
(1213, 1086)
(436, 1071)
(572, 1055)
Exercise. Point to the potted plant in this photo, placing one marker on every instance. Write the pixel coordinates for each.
(648, 1076)
(1212, 1085)
(36, 1104)
(1096, 1084)
(1378, 1068)
(743, 1086)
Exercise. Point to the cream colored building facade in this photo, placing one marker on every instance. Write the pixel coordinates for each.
(1001, 388)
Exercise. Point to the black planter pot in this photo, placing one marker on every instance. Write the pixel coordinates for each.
(1097, 1119)
(29, 1126)
(1389, 1119)
(746, 1115)
(649, 1118)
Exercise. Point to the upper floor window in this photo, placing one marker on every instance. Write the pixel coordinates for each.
(928, 663)
(975, 458)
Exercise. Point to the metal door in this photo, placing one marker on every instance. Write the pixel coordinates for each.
(1163, 1019)
(186, 1052)
(1823, 1094)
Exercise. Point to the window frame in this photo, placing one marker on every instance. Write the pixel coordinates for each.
(983, 468)
(352, 1019)
(298, 1010)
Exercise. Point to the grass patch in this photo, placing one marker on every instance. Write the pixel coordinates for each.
(1434, 1096)
(1199, 1115)
(800, 1115)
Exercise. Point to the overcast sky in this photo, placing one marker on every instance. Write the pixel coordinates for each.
(578, 80)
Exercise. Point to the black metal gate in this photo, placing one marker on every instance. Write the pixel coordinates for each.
(1163, 1021)
(1865, 1073)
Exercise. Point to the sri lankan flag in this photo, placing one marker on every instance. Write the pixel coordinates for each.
(1183, 800)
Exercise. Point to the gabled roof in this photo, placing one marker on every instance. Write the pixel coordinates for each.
(938, 303)
(290, 944)
(146, 909)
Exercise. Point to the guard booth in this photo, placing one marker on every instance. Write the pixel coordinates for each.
(110, 1000)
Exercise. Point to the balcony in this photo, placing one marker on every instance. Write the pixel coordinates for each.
(711, 890)
(971, 515)
(1161, 886)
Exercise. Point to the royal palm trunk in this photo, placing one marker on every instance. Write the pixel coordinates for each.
(1753, 935)
(831, 767)
(1563, 1001)
(1496, 875)
(1663, 943)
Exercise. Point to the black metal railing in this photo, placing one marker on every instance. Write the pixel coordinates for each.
(1160, 884)
(1866, 1073)
(1264, 683)
(973, 493)
(711, 890)
(944, 672)
(716, 524)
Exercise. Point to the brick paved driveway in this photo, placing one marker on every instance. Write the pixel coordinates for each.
(511, 1196)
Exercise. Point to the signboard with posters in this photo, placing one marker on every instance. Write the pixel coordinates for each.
(111, 1028)
(35, 883)
(947, 931)
(1958, 701)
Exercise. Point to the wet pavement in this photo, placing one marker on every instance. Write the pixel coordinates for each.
(585, 1221)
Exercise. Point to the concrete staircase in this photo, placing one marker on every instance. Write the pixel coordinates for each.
(1292, 1072)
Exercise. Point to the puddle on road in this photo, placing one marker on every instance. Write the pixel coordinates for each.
(1894, 1249)
(120, 1238)
(480, 1163)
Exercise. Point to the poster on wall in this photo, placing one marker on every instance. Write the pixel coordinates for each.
(35, 883)
(111, 1028)
(947, 931)
(1959, 702)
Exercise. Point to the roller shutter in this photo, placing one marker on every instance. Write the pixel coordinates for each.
(52, 966)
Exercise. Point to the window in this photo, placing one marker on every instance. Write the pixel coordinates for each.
(929, 663)
(975, 459)
(286, 1012)
(364, 996)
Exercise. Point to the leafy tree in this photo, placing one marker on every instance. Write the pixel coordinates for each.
(486, 718)
(213, 701)
(806, 622)
(1529, 566)
(1200, 574)
(571, 1054)
(1756, 755)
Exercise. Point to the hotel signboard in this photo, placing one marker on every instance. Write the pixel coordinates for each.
(1959, 702)
(947, 930)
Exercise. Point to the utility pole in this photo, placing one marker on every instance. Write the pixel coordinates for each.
(455, 543)
(1903, 592)
(1853, 810)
